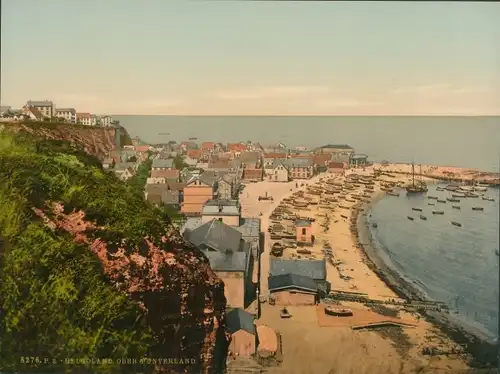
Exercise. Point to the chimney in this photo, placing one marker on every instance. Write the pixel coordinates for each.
(117, 138)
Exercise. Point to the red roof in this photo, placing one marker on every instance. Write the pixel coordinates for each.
(207, 145)
(252, 173)
(194, 153)
(173, 173)
(83, 115)
(236, 147)
(274, 155)
(141, 148)
(322, 159)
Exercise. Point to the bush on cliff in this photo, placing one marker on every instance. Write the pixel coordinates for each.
(55, 301)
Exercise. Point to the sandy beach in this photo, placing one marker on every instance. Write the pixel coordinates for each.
(354, 267)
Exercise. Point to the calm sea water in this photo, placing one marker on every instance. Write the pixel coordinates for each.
(458, 141)
(451, 264)
(457, 265)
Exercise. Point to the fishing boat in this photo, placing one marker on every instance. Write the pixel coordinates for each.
(410, 218)
(480, 189)
(441, 201)
(432, 197)
(431, 204)
(417, 209)
(424, 218)
(338, 311)
(439, 189)
(466, 188)
(451, 187)
(488, 198)
(455, 223)
(471, 194)
(477, 208)
(418, 187)
(452, 200)
(437, 212)
(392, 193)
(462, 195)
(455, 206)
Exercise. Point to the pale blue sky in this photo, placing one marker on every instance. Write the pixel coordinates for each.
(220, 57)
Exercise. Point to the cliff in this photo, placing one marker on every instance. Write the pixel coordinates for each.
(96, 141)
(89, 270)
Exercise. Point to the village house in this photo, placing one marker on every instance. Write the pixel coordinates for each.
(68, 114)
(161, 194)
(207, 146)
(252, 174)
(304, 235)
(124, 174)
(162, 164)
(108, 163)
(219, 165)
(336, 149)
(251, 159)
(195, 154)
(242, 328)
(314, 269)
(236, 148)
(249, 227)
(226, 187)
(187, 145)
(277, 171)
(106, 121)
(84, 119)
(198, 190)
(321, 159)
(125, 165)
(227, 211)
(45, 107)
(271, 158)
(300, 168)
(230, 258)
(162, 176)
(293, 289)
(33, 113)
(336, 167)
(142, 148)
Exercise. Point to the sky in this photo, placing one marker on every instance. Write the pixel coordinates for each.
(203, 57)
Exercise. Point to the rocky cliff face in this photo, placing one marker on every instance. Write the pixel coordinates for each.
(97, 141)
(177, 297)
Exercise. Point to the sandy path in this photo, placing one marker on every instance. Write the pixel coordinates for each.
(252, 207)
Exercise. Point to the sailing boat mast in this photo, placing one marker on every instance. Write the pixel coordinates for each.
(413, 173)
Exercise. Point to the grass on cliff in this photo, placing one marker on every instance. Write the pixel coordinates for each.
(54, 299)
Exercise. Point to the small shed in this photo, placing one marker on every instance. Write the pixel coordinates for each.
(293, 289)
(358, 160)
(243, 332)
(304, 231)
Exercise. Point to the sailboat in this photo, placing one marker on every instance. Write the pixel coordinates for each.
(418, 187)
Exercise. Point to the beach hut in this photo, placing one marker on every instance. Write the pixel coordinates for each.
(304, 234)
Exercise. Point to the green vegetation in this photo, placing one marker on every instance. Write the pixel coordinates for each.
(179, 163)
(138, 181)
(55, 300)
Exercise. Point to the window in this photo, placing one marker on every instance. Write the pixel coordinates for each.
(303, 231)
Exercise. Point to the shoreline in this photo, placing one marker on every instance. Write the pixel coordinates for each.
(483, 352)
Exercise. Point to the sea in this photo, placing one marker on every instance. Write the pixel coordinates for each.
(456, 265)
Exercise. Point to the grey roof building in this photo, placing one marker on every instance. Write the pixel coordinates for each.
(216, 236)
(124, 165)
(315, 269)
(286, 281)
(221, 207)
(238, 319)
(163, 163)
(229, 262)
(299, 162)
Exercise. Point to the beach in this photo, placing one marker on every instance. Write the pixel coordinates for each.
(356, 267)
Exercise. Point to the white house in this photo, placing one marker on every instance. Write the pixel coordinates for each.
(69, 114)
(106, 121)
(84, 119)
(45, 107)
